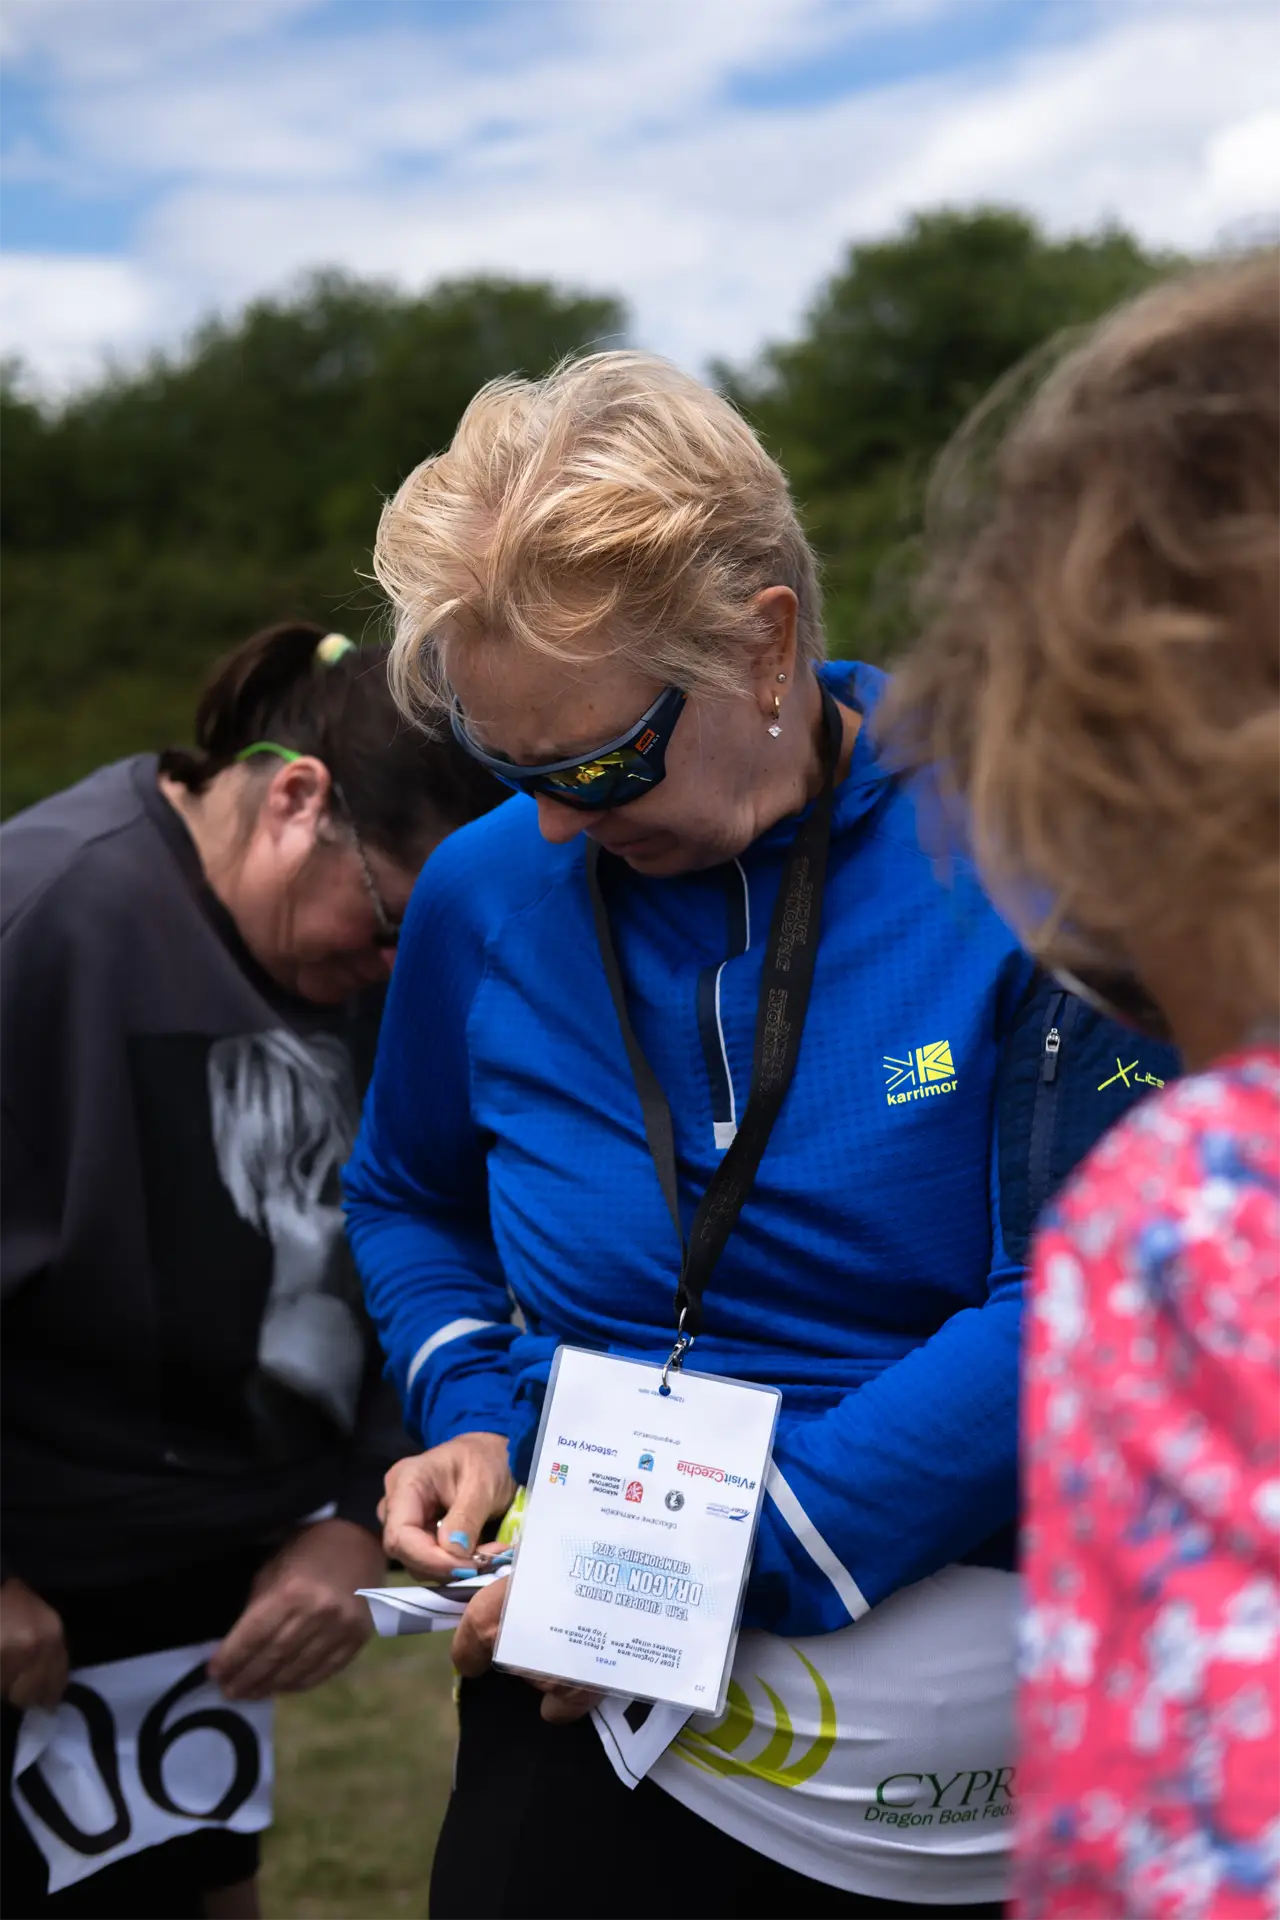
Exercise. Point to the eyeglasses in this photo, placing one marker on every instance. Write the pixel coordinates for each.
(386, 928)
(613, 775)
(386, 932)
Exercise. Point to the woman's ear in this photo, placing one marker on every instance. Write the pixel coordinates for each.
(297, 798)
(773, 668)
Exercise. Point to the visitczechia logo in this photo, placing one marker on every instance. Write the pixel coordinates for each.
(919, 1074)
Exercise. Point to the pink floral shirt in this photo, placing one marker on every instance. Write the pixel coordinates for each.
(1150, 1777)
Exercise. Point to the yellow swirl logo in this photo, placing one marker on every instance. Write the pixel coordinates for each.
(716, 1751)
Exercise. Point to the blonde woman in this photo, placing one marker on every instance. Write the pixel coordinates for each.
(603, 586)
(1101, 689)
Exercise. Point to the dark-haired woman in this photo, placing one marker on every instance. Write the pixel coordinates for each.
(195, 1431)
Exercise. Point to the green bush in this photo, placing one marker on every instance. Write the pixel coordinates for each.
(157, 518)
(897, 348)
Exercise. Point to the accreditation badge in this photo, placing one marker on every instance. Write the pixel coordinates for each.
(641, 1518)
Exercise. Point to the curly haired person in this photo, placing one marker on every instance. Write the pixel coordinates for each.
(1099, 691)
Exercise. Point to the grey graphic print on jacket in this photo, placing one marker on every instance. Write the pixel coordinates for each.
(284, 1113)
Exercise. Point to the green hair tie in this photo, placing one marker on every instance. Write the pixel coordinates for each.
(268, 746)
(334, 647)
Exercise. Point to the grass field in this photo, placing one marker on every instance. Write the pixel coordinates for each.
(363, 1776)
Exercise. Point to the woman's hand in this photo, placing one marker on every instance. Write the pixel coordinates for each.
(304, 1621)
(473, 1646)
(33, 1649)
(437, 1503)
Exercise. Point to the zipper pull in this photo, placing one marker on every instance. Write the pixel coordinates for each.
(1052, 1048)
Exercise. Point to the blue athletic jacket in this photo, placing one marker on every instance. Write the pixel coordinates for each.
(502, 1162)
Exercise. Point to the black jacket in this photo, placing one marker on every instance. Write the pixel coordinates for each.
(186, 1362)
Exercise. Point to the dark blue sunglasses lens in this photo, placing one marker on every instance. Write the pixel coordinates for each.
(608, 780)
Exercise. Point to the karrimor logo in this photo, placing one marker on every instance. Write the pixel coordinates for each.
(920, 1074)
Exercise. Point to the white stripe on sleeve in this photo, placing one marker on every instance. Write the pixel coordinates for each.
(441, 1338)
(783, 1497)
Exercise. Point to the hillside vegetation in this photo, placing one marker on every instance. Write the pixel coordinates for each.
(154, 519)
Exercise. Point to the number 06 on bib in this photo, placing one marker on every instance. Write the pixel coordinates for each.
(638, 1532)
(138, 1752)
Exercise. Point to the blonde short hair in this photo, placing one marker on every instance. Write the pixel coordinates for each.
(1099, 684)
(616, 496)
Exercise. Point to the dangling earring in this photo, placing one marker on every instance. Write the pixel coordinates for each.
(774, 728)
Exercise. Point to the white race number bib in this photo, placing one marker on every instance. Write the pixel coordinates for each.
(137, 1752)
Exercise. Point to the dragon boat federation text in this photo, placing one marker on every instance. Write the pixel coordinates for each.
(638, 1531)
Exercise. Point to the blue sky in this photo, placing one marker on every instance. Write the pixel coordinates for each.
(708, 159)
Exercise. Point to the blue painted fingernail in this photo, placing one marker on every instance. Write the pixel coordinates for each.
(462, 1540)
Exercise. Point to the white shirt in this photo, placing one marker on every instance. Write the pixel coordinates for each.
(878, 1759)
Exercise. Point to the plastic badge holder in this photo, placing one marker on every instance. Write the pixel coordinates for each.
(728, 1533)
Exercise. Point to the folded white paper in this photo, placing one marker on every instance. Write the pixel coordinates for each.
(636, 1733)
(398, 1610)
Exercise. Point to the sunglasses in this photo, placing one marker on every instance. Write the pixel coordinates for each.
(612, 776)
(386, 929)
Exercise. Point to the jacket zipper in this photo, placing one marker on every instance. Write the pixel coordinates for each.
(1058, 1022)
(715, 1051)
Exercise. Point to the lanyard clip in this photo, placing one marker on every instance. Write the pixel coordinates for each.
(675, 1359)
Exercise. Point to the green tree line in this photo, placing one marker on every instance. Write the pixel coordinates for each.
(155, 518)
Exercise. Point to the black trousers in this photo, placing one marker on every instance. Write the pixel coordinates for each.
(167, 1882)
(540, 1828)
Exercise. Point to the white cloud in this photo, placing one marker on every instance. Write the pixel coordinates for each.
(1242, 170)
(65, 313)
(103, 41)
(299, 108)
(606, 149)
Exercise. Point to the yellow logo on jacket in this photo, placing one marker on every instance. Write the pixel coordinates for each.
(919, 1074)
(1130, 1076)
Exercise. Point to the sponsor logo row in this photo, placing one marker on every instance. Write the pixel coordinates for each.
(611, 1485)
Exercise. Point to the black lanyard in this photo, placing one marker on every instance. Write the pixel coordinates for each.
(789, 958)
